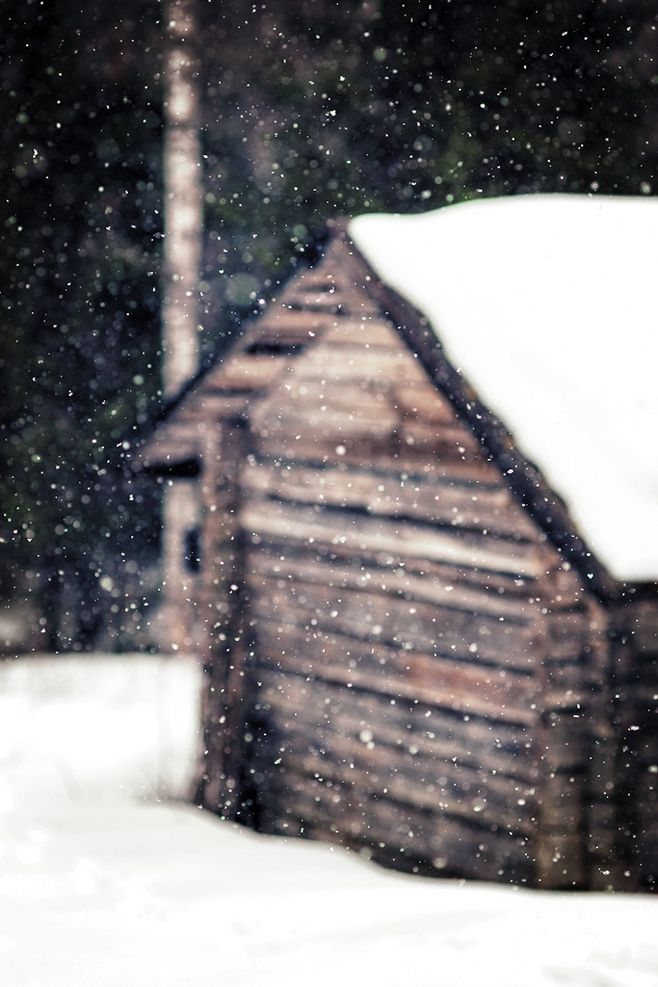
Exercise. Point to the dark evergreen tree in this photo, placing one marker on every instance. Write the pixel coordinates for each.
(79, 335)
(311, 109)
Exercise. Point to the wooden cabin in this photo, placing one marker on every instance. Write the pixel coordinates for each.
(410, 648)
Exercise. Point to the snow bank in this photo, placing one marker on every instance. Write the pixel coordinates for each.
(97, 728)
(100, 887)
(169, 896)
(547, 305)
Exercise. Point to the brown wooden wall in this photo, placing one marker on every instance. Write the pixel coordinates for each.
(636, 730)
(579, 807)
(409, 667)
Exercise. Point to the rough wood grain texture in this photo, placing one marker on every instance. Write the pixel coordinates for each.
(422, 766)
(416, 839)
(416, 729)
(575, 739)
(377, 618)
(461, 578)
(399, 627)
(359, 532)
(448, 790)
(226, 700)
(386, 494)
(635, 655)
(475, 690)
(416, 671)
(339, 573)
(367, 635)
(408, 715)
(353, 451)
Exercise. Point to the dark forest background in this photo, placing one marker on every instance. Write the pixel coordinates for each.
(310, 109)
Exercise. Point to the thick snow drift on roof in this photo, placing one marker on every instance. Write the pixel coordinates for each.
(547, 304)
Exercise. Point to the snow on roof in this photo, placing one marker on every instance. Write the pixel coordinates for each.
(547, 304)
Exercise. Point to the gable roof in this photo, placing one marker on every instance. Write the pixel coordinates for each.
(265, 350)
(368, 258)
(545, 305)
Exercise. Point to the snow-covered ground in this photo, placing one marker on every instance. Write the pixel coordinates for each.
(96, 728)
(102, 885)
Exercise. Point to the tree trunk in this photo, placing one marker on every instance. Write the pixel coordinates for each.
(180, 313)
(183, 213)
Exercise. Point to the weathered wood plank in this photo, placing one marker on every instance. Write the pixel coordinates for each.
(330, 426)
(339, 298)
(225, 702)
(251, 370)
(476, 690)
(506, 585)
(435, 732)
(380, 619)
(339, 742)
(307, 568)
(290, 325)
(398, 832)
(450, 790)
(561, 861)
(300, 446)
(363, 332)
(213, 405)
(363, 533)
(318, 405)
(390, 495)
(563, 797)
(358, 363)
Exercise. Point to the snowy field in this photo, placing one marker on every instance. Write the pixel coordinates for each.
(102, 883)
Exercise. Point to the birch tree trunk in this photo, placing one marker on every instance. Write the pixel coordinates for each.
(183, 212)
(180, 313)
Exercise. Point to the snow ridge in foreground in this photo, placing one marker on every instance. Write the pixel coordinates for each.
(101, 885)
